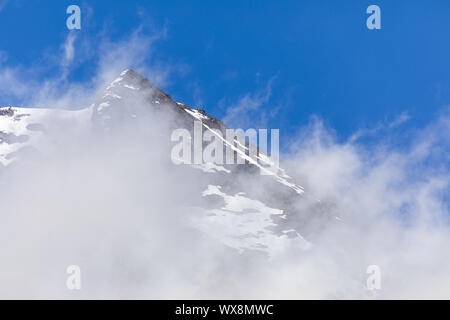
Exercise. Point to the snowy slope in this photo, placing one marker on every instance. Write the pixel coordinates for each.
(22, 128)
(244, 223)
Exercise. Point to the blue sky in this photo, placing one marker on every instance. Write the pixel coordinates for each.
(296, 58)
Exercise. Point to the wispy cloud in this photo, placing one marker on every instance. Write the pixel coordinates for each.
(402, 118)
(3, 4)
(68, 53)
(248, 109)
(32, 86)
(380, 127)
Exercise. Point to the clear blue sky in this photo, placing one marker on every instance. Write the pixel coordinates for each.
(319, 54)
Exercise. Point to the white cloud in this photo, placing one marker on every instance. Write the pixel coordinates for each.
(390, 202)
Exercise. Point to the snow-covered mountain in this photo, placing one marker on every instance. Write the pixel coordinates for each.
(239, 215)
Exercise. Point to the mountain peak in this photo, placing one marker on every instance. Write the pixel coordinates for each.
(132, 74)
(131, 79)
(128, 96)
